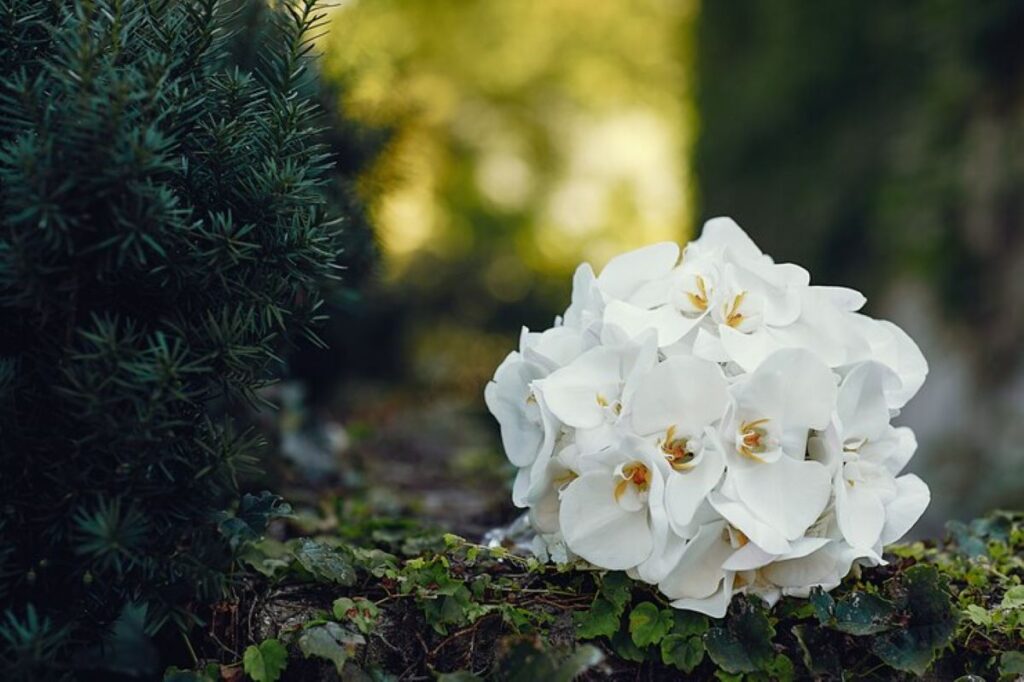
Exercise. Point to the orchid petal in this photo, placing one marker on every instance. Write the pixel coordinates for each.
(723, 233)
(714, 606)
(747, 350)
(669, 325)
(814, 568)
(843, 298)
(860, 513)
(810, 387)
(698, 573)
(861, 403)
(903, 512)
(624, 274)
(768, 491)
(682, 391)
(573, 393)
(598, 529)
(748, 557)
(740, 516)
(686, 490)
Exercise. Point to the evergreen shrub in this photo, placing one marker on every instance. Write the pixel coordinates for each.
(163, 237)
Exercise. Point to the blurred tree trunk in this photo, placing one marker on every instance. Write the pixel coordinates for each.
(881, 145)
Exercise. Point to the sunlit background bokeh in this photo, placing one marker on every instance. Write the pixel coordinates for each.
(880, 146)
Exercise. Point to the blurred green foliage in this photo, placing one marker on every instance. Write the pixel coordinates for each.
(873, 141)
(527, 137)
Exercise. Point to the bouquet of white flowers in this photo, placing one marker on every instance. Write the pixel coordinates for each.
(712, 424)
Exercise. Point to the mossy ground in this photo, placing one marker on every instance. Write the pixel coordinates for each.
(386, 599)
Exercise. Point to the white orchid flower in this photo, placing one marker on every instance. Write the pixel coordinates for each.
(698, 580)
(822, 328)
(612, 514)
(560, 471)
(626, 274)
(673, 406)
(591, 392)
(713, 425)
(867, 453)
(764, 435)
(528, 429)
(885, 342)
(724, 277)
(586, 309)
(672, 305)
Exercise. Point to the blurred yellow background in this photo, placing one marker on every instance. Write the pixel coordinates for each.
(527, 135)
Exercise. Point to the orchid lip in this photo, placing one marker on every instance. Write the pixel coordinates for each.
(634, 473)
(680, 451)
(753, 439)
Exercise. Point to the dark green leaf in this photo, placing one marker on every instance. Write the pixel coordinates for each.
(689, 623)
(862, 613)
(325, 562)
(266, 662)
(329, 641)
(744, 643)
(1011, 663)
(648, 624)
(602, 619)
(924, 601)
(682, 652)
(625, 649)
(819, 651)
(824, 605)
(617, 588)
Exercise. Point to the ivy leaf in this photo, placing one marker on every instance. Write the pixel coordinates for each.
(324, 562)
(624, 647)
(648, 624)
(617, 588)
(689, 623)
(360, 612)
(930, 620)
(1011, 663)
(744, 644)
(824, 606)
(250, 521)
(1014, 598)
(600, 620)
(266, 662)
(781, 669)
(330, 641)
(858, 613)
(978, 615)
(819, 651)
(862, 613)
(682, 652)
(973, 539)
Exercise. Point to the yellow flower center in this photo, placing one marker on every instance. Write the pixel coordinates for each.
(733, 317)
(678, 456)
(565, 479)
(635, 473)
(699, 300)
(752, 439)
